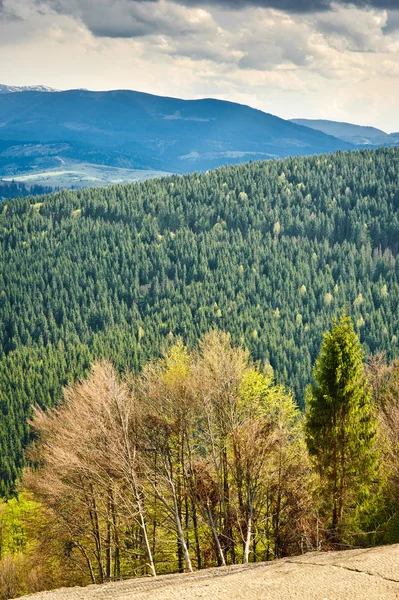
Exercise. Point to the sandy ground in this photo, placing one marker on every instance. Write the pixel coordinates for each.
(353, 575)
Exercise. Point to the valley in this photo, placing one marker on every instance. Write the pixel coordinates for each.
(185, 322)
(137, 131)
(72, 175)
(79, 138)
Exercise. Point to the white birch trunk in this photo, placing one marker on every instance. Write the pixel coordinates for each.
(216, 538)
(248, 539)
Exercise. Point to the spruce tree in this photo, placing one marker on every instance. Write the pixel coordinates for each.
(340, 425)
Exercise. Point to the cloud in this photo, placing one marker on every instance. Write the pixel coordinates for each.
(253, 38)
(7, 14)
(315, 59)
(130, 18)
(185, 18)
(390, 68)
(89, 8)
(392, 24)
(295, 6)
(354, 30)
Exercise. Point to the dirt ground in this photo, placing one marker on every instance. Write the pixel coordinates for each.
(353, 575)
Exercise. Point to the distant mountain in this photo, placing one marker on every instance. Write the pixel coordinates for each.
(353, 134)
(8, 89)
(137, 130)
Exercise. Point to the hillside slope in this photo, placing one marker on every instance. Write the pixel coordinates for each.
(350, 575)
(133, 129)
(267, 251)
(358, 135)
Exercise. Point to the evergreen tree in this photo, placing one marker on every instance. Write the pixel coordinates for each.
(341, 426)
(113, 273)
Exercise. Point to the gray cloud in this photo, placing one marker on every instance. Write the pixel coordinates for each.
(294, 6)
(7, 15)
(392, 22)
(290, 6)
(140, 18)
(332, 59)
(132, 18)
(234, 33)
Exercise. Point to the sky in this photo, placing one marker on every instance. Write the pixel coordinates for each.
(293, 58)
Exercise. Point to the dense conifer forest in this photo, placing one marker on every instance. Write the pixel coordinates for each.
(266, 251)
(12, 189)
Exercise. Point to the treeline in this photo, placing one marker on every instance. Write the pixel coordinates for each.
(266, 251)
(187, 460)
(13, 189)
(202, 460)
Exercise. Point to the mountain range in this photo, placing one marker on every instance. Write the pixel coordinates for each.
(357, 135)
(137, 130)
(46, 133)
(9, 89)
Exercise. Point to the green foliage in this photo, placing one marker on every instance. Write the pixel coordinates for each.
(15, 516)
(20, 190)
(341, 426)
(259, 396)
(33, 549)
(199, 458)
(114, 272)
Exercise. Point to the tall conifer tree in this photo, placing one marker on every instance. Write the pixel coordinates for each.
(340, 425)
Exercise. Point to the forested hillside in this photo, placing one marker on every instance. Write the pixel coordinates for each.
(12, 189)
(267, 251)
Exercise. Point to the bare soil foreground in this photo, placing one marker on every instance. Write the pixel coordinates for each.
(352, 575)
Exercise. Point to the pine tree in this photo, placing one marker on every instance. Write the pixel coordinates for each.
(341, 426)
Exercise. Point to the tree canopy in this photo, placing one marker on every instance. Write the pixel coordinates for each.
(341, 424)
(267, 251)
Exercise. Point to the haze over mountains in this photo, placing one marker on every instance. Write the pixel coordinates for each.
(353, 134)
(138, 130)
(55, 137)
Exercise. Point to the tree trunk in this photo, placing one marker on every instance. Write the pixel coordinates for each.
(216, 538)
(227, 516)
(108, 551)
(88, 561)
(180, 534)
(117, 562)
(248, 537)
(93, 514)
(197, 542)
(147, 546)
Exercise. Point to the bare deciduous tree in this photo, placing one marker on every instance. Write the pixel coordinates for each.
(201, 455)
(89, 466)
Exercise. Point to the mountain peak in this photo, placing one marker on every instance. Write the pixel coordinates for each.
(9, 89)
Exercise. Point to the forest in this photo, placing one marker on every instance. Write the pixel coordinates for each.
(267, 251)
(201, 460)
(13, 189)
